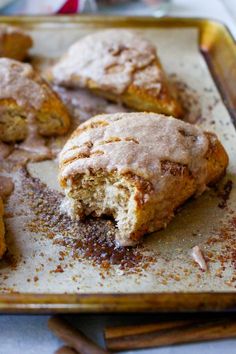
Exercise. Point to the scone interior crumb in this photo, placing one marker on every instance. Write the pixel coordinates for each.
(105, 194)
(13, 122)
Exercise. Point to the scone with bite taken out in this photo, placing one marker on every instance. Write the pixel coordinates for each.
(137, 168)
(26, 100)
(121, 66)
(2, 231)
(14, 43)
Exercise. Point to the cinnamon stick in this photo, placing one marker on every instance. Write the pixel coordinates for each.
(66, 350)
(73, 337)
(168, 333)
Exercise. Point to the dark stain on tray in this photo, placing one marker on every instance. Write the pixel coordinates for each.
(224, 194)
(9, 260)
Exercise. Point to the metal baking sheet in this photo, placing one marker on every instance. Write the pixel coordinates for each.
(41, 272)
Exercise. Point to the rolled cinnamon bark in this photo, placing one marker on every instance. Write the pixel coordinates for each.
(73, 337)
(169, 333)
(66, 350)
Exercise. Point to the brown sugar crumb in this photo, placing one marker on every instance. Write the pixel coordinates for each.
(102, 275)
(105, 264)
(36, 278)
(58, 269)
(233, 254)
(175, 277)
(62, 256)
(75, 278)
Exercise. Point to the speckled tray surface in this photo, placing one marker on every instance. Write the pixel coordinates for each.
(48, 254)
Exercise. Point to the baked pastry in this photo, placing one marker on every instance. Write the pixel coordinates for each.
(138, 168)
(2, 231)
(26, 100)
(121, 66)
(14, 43)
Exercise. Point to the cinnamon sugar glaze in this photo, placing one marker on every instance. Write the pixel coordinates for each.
(21, 84)
(136, 143)
(109, 58)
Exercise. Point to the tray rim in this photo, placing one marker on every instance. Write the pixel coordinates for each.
(132, 302)
(117, 303)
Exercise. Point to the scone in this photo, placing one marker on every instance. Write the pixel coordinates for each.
(121, 66)
(2, 231)
(26, 99)
(137, 168)
(14, 43)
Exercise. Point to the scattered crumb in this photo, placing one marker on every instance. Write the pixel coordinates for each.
(199, 258)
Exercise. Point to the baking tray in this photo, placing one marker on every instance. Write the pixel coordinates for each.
(219, 51)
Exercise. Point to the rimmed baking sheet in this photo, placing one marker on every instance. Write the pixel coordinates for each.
(41, 263)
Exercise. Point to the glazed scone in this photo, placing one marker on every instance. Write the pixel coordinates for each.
(26, 99)
(2, 230)
(121, 66)
(14, 43)
(137, 168)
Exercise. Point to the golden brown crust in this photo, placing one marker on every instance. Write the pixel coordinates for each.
(181, 186)
(145, 100)
(50, 114)
(217, 159)
(14, 43)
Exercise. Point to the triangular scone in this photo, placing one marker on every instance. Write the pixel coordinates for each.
(138, 168)
(121, 66)
(14, 43)
(26, 100)
(2, 231)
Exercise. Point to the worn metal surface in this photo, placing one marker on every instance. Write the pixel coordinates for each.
(180, 44)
